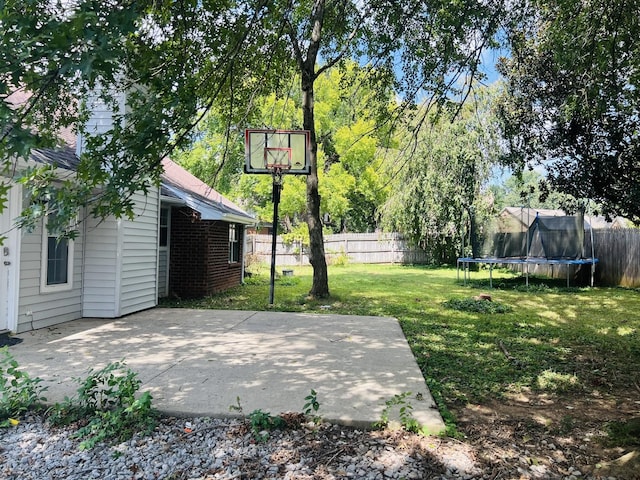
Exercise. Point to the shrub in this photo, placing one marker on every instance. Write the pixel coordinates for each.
(476, 306)
(18, 391)
(106, 404)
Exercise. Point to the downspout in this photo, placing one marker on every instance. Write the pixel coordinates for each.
(157, 275)
(84, 260)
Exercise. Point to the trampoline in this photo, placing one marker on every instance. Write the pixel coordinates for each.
(548, 240)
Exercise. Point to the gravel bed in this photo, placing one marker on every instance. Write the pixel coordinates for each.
(207, 449)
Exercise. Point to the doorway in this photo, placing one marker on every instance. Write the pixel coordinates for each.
(9, 261)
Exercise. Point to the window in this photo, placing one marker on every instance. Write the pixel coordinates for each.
(234, 244)
(57, 263)
(164, 227)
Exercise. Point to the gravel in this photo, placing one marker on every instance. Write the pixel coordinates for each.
(206, 449)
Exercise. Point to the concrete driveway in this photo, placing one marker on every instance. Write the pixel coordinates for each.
(199, 362)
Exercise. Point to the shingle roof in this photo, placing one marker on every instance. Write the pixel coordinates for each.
(179, 183)
(65, 155)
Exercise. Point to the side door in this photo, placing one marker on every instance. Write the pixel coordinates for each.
(9, 261)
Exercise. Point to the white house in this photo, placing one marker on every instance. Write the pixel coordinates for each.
(116, 266)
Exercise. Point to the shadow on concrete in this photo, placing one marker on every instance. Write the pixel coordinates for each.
(200, 362)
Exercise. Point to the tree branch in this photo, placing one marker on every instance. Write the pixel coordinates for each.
(344, 50)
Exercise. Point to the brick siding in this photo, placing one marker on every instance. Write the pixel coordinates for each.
(199, 259)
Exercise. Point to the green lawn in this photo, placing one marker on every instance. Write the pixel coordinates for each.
(549, 338)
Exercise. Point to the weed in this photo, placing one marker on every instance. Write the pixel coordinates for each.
(263, 422)
(405, 413)
(106, 402)
(237, 407)
(476, 306)
(311, 404)
(555, 382)
(256, 280)
(18, 391)
(288, 281)
(566, 425)
(623, 433)
(533, 288)
(339, 258)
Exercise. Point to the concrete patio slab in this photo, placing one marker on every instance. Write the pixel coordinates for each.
(200, 362)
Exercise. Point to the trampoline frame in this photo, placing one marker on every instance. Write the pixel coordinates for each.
(492, 261)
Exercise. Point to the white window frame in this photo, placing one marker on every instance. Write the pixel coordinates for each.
(233, 227)
(44, 264)
(166, 226)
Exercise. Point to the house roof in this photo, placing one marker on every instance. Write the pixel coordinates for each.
(178, 183)
(64, 156)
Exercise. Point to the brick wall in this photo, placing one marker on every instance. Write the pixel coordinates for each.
(199, 258)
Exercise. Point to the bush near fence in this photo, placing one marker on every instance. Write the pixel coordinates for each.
(618, 252)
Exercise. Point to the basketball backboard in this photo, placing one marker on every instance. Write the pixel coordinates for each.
(267, 151)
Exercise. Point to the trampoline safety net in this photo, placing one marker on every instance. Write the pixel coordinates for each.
(550, 237)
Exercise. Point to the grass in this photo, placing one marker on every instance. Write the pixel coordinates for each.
(545, 338)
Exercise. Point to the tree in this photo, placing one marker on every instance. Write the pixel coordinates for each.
(527, 189)
(441, 187)
(417, 47)
(350, 188)
(176, 60)
(572, 102)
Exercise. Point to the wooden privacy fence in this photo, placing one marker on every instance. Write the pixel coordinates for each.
(341, 248)
(618, 251)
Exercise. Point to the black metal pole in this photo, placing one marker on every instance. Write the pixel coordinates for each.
(277, 185)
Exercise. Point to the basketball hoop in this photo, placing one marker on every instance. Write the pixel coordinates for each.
(267, 149)
(277, 152)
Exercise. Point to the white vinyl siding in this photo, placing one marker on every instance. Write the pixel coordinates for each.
(39, 309)
(101, 268)
(140, 256)
(100, 120)
(121, 262)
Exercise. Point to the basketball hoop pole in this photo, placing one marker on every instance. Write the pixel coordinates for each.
(276, 189)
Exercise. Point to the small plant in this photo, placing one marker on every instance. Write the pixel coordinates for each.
(476, 306)
(405, 414)
(555, 382)
(18, 391)
(623, 433)
(256, 279)
(288, 281)
(263, 422)
(237, 407)
(107, 405)
(311, 405)
(339, 259)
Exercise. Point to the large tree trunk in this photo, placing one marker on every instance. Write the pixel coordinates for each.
(320, 286)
